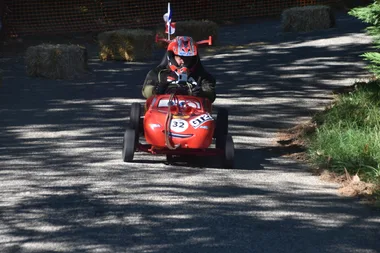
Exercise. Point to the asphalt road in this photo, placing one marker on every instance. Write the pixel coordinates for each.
(64, 187)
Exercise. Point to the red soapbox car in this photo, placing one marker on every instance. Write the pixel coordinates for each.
(178, 124)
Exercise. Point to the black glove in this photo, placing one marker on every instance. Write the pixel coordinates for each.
(161, 88)
(196, 90)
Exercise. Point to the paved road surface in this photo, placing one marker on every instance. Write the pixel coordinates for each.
(64, 188)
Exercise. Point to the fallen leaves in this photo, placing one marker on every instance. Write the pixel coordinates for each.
(353, 186)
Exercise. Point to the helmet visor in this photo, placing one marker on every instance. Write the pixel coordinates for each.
(186, 61)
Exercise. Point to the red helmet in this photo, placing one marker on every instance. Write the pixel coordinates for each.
(185, 48)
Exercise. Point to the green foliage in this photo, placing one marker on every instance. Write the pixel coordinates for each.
(374, 59)
(371, 14)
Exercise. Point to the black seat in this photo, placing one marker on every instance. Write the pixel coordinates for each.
(164, 61)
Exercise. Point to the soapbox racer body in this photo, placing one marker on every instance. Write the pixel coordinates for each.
(178, 125)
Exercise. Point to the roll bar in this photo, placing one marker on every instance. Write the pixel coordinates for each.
(208, 41)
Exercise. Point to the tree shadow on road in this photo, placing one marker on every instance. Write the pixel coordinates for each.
(210, 218)
(65, 186)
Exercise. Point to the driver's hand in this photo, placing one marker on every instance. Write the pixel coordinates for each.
(196, 90)
(161, 88)
(182, 82)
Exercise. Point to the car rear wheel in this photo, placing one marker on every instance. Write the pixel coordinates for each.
(221, 128)
(135, 121)
(169, 159)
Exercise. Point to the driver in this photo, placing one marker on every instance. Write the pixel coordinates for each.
(181, 59)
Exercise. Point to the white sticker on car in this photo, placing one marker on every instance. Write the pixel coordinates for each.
(153, 126)
(178, 125)
(198, 121)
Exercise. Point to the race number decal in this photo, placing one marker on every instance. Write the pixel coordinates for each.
(178, 125)
(198, 121)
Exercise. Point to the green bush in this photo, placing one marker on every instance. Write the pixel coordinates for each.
(371, 14)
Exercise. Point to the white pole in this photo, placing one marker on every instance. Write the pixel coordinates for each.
(169, 21)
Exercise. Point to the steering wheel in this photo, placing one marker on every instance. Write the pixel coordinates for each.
(182, 87)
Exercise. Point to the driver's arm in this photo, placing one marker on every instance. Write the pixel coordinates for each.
(208, 87)
(150, 83)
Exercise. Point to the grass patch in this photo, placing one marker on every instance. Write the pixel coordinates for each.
(346, 140)
(348, 134)
(342, 142)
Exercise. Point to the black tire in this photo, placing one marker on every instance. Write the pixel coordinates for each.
(221, 128)
(229, 152)
(135, 115)
(169, 159)
(135, 121)
(129, 145)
